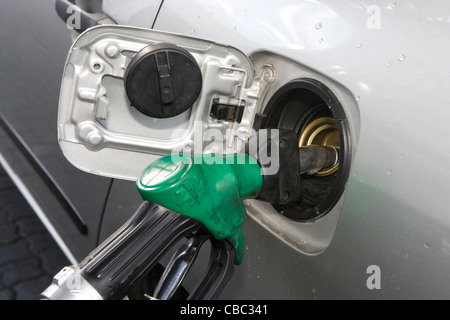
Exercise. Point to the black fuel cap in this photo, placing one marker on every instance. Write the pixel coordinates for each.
(163, 80)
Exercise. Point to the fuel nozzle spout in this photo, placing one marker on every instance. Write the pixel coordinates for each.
(315, 158)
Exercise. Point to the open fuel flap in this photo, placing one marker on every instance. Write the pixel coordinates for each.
(131, 96)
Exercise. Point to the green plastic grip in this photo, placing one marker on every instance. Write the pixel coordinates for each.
(209, 188)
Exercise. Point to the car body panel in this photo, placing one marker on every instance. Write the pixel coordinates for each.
(29, 91)
(395, 214)
(124, 11)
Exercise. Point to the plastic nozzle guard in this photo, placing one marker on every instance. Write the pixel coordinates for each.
(209, 188)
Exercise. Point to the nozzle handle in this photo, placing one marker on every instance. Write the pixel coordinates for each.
(134, 249)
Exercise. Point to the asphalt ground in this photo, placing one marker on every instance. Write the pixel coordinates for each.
(29, 257)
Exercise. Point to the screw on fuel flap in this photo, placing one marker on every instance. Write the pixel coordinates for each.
(163, 80)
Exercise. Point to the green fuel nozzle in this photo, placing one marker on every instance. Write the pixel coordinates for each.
(209, 188)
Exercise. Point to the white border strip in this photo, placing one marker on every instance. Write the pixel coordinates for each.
(37, 209)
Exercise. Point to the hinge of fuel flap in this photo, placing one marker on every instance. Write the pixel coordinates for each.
(227, 112)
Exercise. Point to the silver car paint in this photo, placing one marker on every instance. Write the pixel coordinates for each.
(34, 45)
(395, 214)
